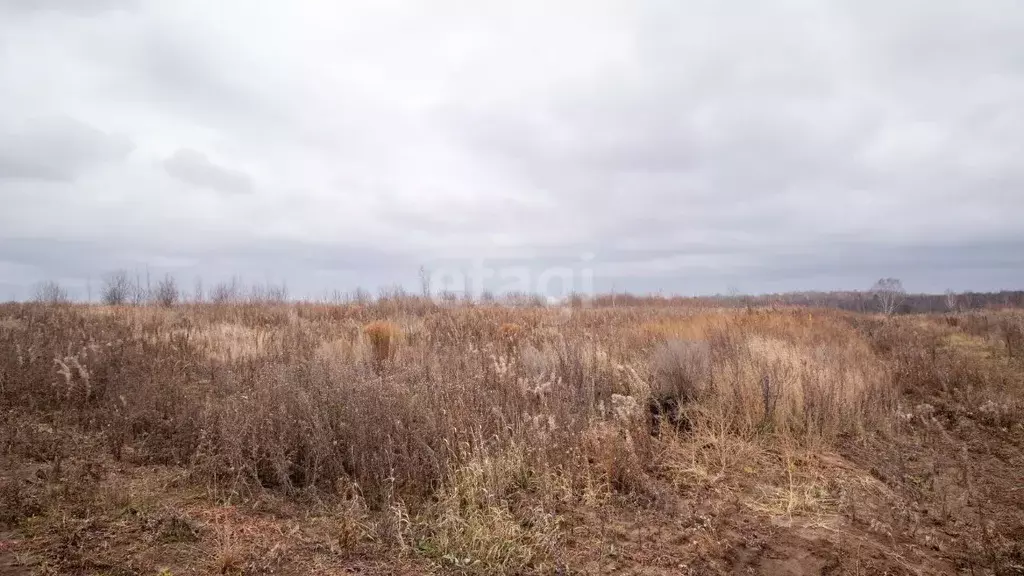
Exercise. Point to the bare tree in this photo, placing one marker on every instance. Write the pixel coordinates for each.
(139, 295)
(952, 302)
(425, 282)
(890, 294)
(226, 292)
(449, 297)
(166, 293)
(50, 292)
(269, 293)
(361, 296)
(117, 288)
(198, 296)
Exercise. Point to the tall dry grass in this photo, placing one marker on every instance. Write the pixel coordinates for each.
(462, 429)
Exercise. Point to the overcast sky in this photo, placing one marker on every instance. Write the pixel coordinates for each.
(689, 146)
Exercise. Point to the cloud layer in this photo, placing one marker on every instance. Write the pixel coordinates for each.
(57, 149)
(192, 167)
(692, 147)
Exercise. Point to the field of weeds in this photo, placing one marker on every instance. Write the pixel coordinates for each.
(406, 437)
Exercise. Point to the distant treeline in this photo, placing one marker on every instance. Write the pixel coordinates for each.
(887, 296)
(855, 301)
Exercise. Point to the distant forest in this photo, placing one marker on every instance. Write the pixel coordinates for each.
(856, 301)
(886, 296)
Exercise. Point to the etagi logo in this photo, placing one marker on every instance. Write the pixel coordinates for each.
(556, 283)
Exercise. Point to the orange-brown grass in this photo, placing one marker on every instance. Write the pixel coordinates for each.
(683, 327)
(511, 335)
(383, 337)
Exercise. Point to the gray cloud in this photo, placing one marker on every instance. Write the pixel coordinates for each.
(694, 147)
(81, 7)
(195, 168)
(57, 148)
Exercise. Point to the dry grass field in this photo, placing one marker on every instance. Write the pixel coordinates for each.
(403, 437)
